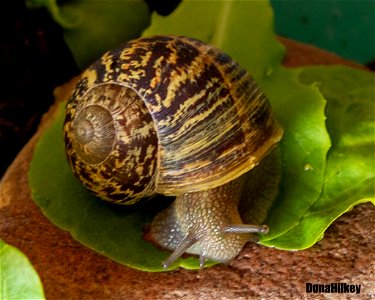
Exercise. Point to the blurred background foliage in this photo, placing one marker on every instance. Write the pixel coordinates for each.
(346, 27)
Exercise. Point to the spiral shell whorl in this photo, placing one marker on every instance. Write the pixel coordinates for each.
(111, 143)
(94, 134)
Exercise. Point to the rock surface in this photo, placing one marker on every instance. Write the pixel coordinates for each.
(68, 270)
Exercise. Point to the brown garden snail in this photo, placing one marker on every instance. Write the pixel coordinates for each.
(174, 116)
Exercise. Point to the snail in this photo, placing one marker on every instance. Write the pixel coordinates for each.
(174, 116)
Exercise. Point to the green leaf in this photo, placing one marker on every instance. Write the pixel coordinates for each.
(350, 173)
(92, 27)
(300, 110)
(19, 280)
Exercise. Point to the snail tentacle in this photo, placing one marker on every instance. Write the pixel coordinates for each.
(246, 228)
(202, 260)
(185, 244)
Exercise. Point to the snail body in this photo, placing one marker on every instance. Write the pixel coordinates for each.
(173, 116)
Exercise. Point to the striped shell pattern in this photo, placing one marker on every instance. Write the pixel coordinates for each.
(168, 115)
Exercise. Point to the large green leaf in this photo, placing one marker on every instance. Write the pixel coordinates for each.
(244, 30)
(350, 173)
(18, 278)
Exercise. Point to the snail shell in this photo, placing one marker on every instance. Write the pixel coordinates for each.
(167, 115)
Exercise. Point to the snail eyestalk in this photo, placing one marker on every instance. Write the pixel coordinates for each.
(181, 249)
(245, 228)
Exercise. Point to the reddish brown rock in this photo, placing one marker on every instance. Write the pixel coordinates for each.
(70, 271)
